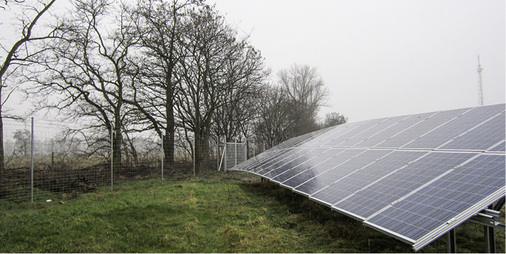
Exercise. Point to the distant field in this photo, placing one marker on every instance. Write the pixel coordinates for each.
(216, 212)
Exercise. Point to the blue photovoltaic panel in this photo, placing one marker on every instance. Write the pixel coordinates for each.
(322, 167)
(479, 138)
(354, 129)
(413, 177)
(379, 126)
(499, 148)
(254, 162)
(387, 133)
(340, 171)
(455, 127)
(267, 162)
(332, 133)
(347, 185)
(440, 202)
(421, 128)
(301, 160)
(296, 154)
(400, 183)
(306, 165)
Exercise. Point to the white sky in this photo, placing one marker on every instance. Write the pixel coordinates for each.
(383, 58)
(379, 57)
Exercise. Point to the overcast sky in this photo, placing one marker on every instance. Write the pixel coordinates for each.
(383, 57)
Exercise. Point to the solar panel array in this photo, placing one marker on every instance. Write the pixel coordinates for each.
(413, 177)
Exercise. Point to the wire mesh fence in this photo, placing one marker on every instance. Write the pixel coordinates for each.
(50, 158)
(47, 158)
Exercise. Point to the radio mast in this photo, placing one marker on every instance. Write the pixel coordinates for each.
(480, 83)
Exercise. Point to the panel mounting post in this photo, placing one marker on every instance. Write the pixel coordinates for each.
(452, 241)
(489, 239)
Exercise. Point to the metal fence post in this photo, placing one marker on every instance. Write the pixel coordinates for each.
(162, 156)
(112, 157)
(235, 152)
(245, 150)
(194, 171)
(218, 152)
(31, 165)
(225, 155)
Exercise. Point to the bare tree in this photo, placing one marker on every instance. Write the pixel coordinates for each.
(333, 119)
(19, 53)
(5, 3)
(275, 122)
(244, 76)
(307, 93)
(22, 142)
(209, 72)
(161, 27)
(88, 71)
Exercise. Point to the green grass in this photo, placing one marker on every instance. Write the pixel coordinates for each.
(211, 213)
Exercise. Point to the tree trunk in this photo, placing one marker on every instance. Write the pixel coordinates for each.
(168, 142)
(200, 151)
(117, 140)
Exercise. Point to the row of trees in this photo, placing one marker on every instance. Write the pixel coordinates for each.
(174, 68)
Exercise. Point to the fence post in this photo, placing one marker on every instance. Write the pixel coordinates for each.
(246, 143)
(225, 154)
(112, 157)
(162, 155)
(194, 173)
(31, 165)
(235, 151)
(218, 152)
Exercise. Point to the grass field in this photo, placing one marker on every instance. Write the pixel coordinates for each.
(215, 212)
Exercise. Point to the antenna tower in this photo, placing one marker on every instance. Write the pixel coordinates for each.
(480, 83)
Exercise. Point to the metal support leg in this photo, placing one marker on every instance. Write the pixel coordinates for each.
(489, 239)
(452, 241)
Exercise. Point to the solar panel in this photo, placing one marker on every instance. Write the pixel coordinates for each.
(329, 176)
(305, 165)
(382, 193)
(499, 147)
(354, 129)
(394, 129)
(381, 125)
(362, 177)
(294, 154)
(455, 127)
(479, 138)
(421, 128)
(413, 177)
(316, 170)
(442, 202)
(301, 161)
